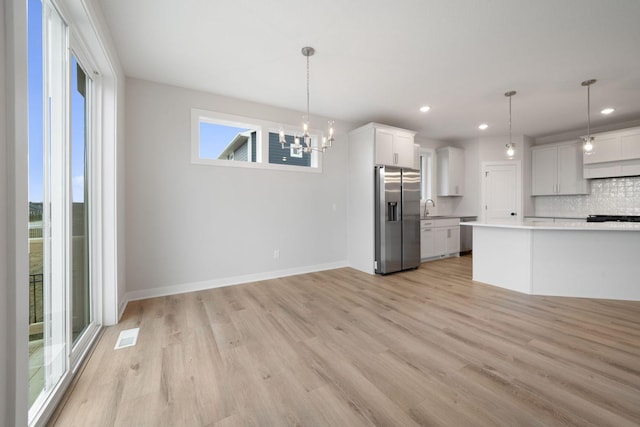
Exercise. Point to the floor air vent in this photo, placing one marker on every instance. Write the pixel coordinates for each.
(127, 338)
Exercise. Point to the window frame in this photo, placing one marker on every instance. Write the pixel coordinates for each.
(263, 128)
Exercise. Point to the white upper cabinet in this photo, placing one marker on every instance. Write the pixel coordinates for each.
(557, 170)
(450, 162)
(615, 153)
(384, 147)
(630, 144)
(570, 179)
(416, 157)
(394, 147)
(606, 148)
(544, 166)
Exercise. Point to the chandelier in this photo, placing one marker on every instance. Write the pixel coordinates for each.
(587, 141)
(306, 137)
(511, 147)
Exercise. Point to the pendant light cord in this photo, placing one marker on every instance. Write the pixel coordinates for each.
(510, 95)
(510, 145)
(588, 111)
(307, 88)
(588, 84)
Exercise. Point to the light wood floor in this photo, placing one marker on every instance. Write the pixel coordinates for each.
(342, 348)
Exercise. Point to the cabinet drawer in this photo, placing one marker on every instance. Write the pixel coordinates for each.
(439, 222)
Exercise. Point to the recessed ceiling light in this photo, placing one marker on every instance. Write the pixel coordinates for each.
(483, 126)
(425, 108)
(608, 110)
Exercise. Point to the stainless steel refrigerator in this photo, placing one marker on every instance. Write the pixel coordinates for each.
(397, 219)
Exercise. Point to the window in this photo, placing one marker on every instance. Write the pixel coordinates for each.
(287, 155)
(227, 140)
(223, 142)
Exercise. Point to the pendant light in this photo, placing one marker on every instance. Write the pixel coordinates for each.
(327, 141)
(587, 141)
(511, 147)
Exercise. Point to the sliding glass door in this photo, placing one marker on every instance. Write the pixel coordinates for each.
(62, 292)
(81, 294)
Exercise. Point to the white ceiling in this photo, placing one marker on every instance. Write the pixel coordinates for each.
(379, 60)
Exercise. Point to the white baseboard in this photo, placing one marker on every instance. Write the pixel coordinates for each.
(227, 281)
(122, 306)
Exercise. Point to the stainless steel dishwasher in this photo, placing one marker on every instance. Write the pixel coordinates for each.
(466, 235)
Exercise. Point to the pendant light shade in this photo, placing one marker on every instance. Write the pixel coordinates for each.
(587, 141)
(511, 147)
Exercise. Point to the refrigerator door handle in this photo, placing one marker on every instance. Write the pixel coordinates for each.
(392, 211)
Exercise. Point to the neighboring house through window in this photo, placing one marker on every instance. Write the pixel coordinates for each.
(227, 140)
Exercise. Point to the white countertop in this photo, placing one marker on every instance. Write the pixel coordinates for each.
(577, 225)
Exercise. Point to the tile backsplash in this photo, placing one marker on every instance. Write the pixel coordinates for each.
(612, 196)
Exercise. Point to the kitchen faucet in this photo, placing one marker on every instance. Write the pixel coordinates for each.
(426, 210)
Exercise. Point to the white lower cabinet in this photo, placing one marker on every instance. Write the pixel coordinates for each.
(439, 238)
(453, 240)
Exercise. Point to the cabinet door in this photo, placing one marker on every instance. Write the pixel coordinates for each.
(384, 148)
(630, 145)
(453, 240)
(450, 171)
(416, 157)
(569, 178)
(440, 241)
(427, 243)
(543, 169)
(456, 171)
(442, 158)
(403, 148)
(606, 148)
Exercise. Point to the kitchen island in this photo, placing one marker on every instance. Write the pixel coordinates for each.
(574, 259)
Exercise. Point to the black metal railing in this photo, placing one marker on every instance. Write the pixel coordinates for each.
(35, 233)
(36, 312)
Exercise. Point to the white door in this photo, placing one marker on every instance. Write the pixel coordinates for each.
(502, 191)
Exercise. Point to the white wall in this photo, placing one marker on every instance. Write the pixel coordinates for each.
(4, 276)
(196, 226)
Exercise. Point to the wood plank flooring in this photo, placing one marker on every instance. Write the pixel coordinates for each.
(341, 348)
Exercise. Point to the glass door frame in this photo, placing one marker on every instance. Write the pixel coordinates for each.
(58, 182)
(92, 168)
